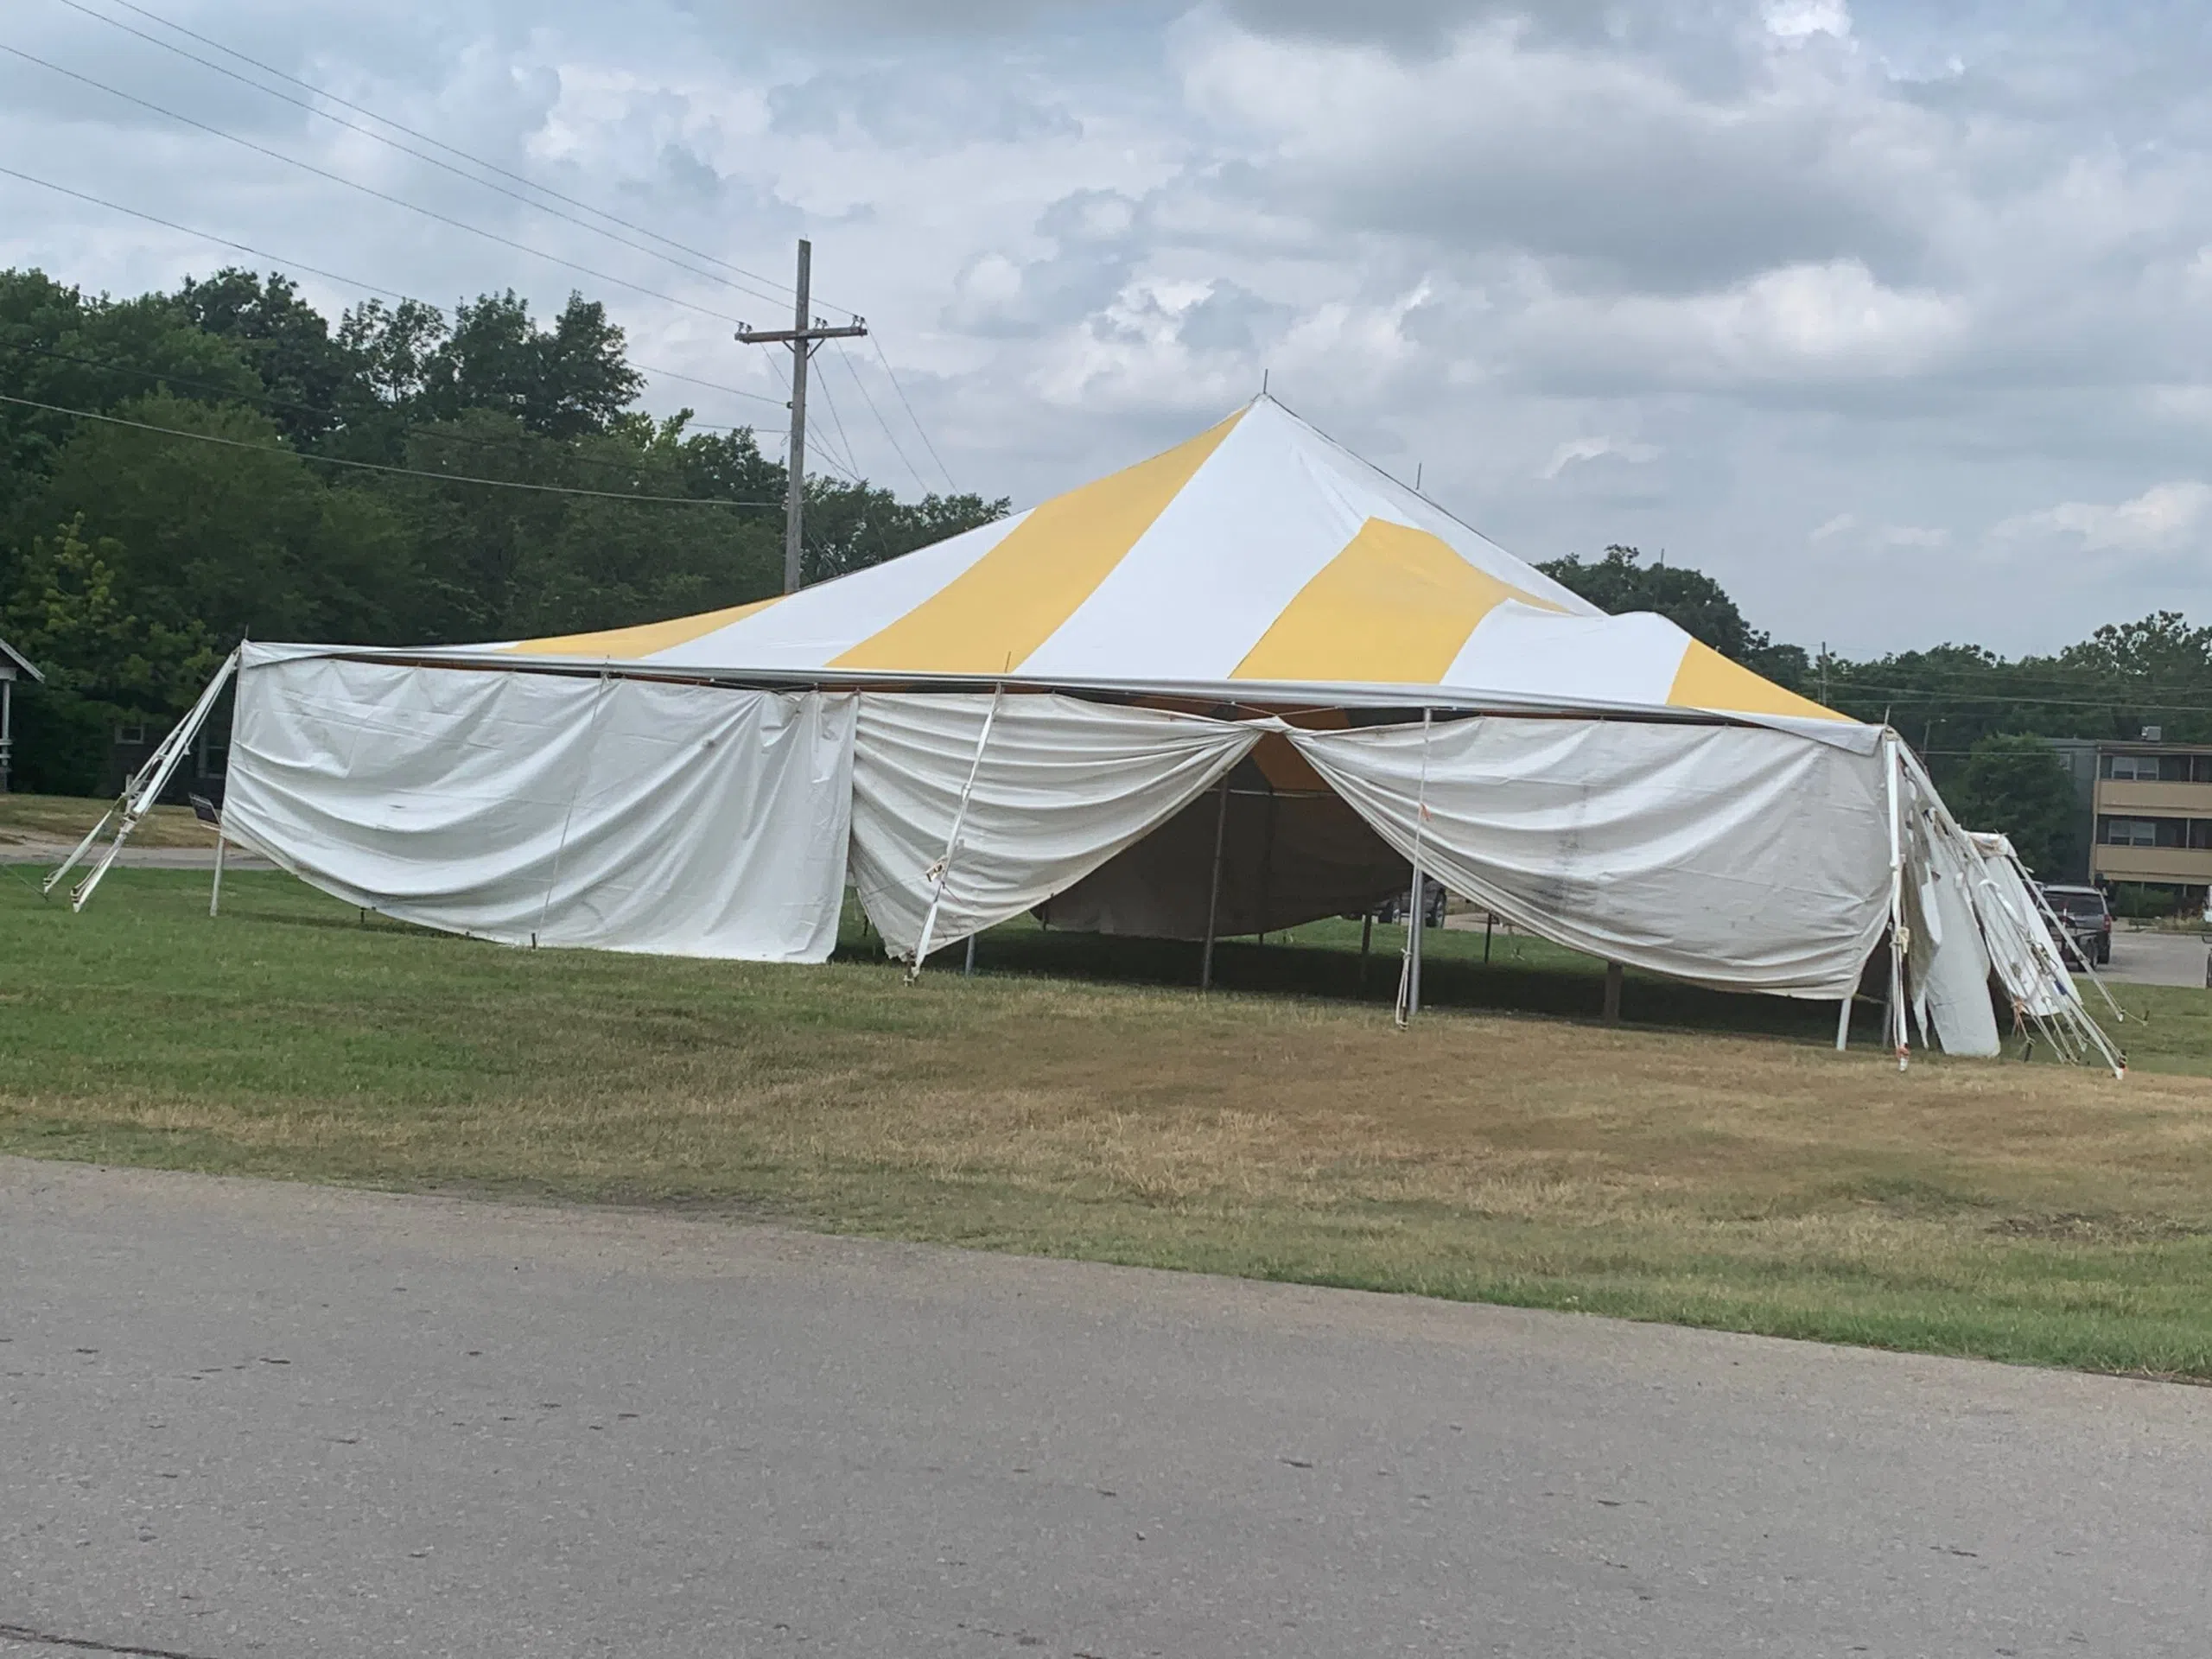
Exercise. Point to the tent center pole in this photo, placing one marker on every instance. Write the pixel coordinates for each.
(1213, 891)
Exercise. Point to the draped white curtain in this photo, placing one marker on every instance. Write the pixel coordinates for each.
(1735, 856)
(629, 815)
(1061, 785)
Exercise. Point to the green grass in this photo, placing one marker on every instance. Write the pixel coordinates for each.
(1715, 1163)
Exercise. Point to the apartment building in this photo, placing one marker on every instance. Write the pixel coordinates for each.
(2147, 807)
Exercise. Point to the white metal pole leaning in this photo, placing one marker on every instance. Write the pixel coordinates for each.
(805, 332)
(1899, 940)
(142, 791)
(1409, 967)
(944, 870)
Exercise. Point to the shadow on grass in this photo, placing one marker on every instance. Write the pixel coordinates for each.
(1323, 962)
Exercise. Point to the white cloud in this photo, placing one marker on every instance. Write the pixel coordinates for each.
(2164, 518)
(1793, 247)
(1794, 20)
(1581, 449)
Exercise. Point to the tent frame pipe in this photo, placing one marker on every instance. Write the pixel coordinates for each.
(1213, 889)
(143, 790)
(1894, 1025)
(215, 889)
(952, 840)
(1843, 1024)
(1417, 913)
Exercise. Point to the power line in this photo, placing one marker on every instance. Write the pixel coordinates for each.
(434, 431)
(219, 241)
(408, 149)
(711, 386)
(2115, 706)
(852, 471)
(368, 190)
(330, 275)
(879, 421)
(920, 431)
(490, 167)
(380, 467)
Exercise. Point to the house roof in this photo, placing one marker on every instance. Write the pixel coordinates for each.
(21, 664)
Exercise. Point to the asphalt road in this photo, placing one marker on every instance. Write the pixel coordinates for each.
(257, 1420)
(2156, 959)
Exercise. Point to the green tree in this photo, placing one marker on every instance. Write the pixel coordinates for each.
(104, 662)
(560, 383)
(2015, 783)
(311, 381)
(239, 537)
(1692, 600)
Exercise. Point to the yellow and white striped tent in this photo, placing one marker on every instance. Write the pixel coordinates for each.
(1257, 555)
(1248, 682)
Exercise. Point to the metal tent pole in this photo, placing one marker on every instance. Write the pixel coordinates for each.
(1410, 969)
(1213, 892)
(1895, 1026)
(215, 891)
(144, 789)
(944, 870)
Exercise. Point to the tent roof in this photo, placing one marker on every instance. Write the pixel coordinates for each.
(1257, 554)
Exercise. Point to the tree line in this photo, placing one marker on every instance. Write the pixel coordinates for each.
(131, 559)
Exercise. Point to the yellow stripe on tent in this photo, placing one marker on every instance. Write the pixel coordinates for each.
(989, 618)
(1708, 680)
(1394, 606)
(631, 643)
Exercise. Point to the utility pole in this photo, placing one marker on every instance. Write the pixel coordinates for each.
(805, 332)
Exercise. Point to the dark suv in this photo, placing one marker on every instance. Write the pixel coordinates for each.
(2085, 930)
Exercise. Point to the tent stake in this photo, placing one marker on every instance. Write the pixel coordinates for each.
(1213, 892)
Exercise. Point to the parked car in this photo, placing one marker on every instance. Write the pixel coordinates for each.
(2084, 930)
(1433, 898)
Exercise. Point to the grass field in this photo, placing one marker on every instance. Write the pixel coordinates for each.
(1713, 1163)
(66, 818)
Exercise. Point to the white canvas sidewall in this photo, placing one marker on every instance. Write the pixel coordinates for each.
(625, 815)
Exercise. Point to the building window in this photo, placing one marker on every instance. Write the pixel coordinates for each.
(2157, 768)
(2131, 832)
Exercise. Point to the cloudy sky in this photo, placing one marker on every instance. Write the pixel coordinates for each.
(1892, 315)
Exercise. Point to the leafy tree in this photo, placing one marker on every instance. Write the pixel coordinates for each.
(103, 661)
(311, 381)
(560, 382)
(238, 539)
(1692, 600)
(2015, 783)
